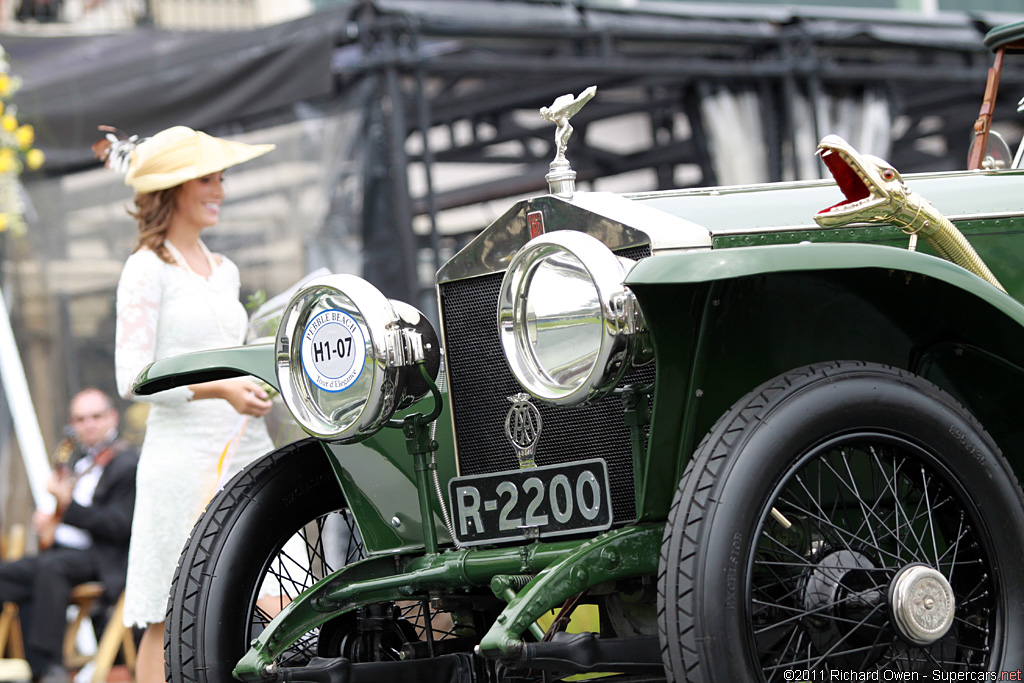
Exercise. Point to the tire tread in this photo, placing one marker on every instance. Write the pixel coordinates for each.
(191, 585)
(678, 602)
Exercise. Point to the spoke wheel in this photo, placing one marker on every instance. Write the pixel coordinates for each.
(276, 528)
(302, 561)
(828, 577)
(842, 517)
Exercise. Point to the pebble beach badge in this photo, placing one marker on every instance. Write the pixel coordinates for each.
(333, 350)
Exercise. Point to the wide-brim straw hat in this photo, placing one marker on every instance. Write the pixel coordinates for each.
(179, 154)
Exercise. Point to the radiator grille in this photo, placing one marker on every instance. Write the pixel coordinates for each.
(480, 382)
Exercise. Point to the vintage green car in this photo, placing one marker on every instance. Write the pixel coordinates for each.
(728, 434)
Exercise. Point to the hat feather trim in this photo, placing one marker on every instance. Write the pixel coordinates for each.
(115, 149)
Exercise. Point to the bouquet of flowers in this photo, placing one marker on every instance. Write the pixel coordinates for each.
(16, 152)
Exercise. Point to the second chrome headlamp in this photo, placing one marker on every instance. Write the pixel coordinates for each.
(568, 326)
(344, 357)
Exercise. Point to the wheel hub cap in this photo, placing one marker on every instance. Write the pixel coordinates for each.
(922, 604)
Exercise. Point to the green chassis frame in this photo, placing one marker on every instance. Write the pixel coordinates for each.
(565, 568)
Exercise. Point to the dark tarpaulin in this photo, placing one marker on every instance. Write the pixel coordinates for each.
(146, 80)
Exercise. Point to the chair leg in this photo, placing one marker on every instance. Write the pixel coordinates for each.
(116, 636)
(128, 649)
(6, 618)
(84, 596)
(12, 646)
(72, 658)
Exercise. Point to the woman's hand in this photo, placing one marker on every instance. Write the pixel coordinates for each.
(244, 395)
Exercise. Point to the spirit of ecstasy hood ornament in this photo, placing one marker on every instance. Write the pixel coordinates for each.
(561, 178)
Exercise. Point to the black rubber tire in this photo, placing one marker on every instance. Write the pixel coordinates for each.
(720, 538)
(213, 596)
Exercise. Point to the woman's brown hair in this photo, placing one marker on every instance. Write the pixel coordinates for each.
(153, 211)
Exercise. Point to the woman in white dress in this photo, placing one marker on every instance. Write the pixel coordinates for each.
(175, 297)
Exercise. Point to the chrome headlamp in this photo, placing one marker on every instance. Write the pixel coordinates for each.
(345, 354)
(568, 326)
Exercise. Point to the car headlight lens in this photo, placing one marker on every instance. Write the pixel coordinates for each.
(567, 324)
(344, 357)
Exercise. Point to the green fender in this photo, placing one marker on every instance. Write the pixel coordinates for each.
(205, 366)
(725, 264)
(722, 321)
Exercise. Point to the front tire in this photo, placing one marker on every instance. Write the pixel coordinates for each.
(259, 543)
(843, 517)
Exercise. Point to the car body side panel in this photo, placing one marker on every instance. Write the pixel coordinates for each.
(997, 241)
(379, 481)
(379, 486)
(726, 320)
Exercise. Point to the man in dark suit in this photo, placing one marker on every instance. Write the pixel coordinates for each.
(86, 539)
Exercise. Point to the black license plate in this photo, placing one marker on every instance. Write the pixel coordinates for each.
(531, 503)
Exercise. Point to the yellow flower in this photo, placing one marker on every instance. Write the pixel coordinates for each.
(25, 135)
(9, 123)
(4, 222)
(34, 158)
(5, 84)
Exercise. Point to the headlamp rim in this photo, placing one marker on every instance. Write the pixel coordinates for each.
(378, 315)
(606, 272)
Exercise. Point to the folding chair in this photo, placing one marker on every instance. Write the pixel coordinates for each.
(12, 645)
(116, 638)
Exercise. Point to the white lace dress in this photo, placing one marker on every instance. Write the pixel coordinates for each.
(166, 310)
